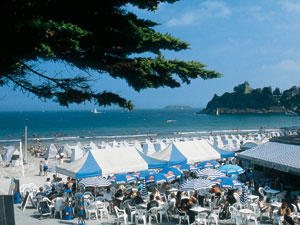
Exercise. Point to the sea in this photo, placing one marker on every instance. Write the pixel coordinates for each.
(55, 126)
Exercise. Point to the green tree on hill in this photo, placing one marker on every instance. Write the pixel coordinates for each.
(98, 37)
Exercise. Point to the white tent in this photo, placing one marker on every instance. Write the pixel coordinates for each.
(67, 151)
(137, 145)
(51, 152)
(77, 153)
(158, 146)
(197, 151)
(218, 142)
(110, 162)
(93, 146)
(114, 144)
(148, 148)
(9, 152)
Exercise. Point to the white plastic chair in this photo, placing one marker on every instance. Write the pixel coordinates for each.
(92, 210)
(235, 215)
(103, 210)
(58, 207)
(121, 214)
(140, 214)
(152, 213)
(214, 217)
(163, 211)
(184, 217)
(261, 192)
(201, 218)
(132, 211)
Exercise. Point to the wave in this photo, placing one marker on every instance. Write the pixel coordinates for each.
(187, 133)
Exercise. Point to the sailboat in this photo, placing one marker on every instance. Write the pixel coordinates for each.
(95, 111)
(217, 112)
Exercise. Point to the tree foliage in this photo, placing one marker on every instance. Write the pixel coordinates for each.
(98, 36)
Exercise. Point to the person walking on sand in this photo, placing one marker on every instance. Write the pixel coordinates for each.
(41, 167)
(45, 167)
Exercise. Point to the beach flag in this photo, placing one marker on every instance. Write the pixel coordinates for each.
(144, 191)
(244, 195)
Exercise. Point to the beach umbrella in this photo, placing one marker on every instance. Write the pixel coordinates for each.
(142, 175)
(122, 178)
(171, 171)
(144, 192)
(210, 173)
(227, 182)
(244, 195)
(231, 169)
(187, 167)
(159, 178)
(208, 164)
(95, 182)
(195, 184)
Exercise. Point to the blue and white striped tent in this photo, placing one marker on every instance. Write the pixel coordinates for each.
(182, 152)
(283, 157)
(171, 155)
(103, 163)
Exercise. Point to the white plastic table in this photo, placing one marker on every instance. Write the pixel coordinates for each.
(276, 204)
(198, 209)
(272, 191)
(253, 197)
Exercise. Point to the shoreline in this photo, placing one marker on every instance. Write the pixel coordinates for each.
(141, 137)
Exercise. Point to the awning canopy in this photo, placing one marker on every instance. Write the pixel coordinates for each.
(283, 157)
(225, 154)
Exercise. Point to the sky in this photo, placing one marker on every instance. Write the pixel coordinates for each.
(250, 40)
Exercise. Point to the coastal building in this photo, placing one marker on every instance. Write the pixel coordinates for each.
(278, 158)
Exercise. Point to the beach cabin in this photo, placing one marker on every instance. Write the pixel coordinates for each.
(9, 152)
(51, 152)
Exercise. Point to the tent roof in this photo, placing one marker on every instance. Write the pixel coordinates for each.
(170, 154)
(153, 163)
(225, 154)
(283, 157)
(81, 168)
(118, 160)
(197, 151)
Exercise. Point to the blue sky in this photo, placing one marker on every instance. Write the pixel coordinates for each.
(253, 40)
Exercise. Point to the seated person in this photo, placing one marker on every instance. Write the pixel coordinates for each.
(41, 192)
(282, 210)
(155, 193)
(118, 197)
(172, 201)
(138, 199)
(186, 205)
(215, 190)
(47, 185)
(230, 197)
(262, 205)
(288, 220)
(297, 204)
(152, 203)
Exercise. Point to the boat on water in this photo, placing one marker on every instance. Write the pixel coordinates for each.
(95, 111)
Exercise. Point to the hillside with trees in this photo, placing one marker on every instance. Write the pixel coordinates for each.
(245, 99)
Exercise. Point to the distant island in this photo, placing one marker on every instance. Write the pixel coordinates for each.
(245, 100)
(177, 107)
